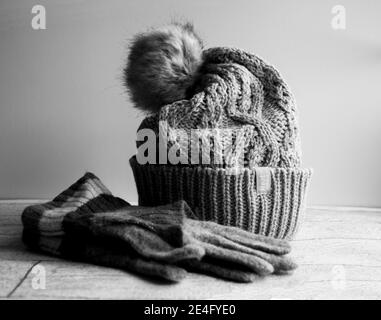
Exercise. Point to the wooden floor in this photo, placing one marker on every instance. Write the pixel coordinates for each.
(338, 252)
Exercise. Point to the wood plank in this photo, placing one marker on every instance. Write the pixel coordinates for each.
(338, 252)
(20, 253)
(330, 244)
(71, 280)
(11, 274)
(316, 282)
(340, 225)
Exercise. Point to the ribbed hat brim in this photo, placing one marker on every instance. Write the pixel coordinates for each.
(227, 197)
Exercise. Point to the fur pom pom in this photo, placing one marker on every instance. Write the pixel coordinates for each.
(162, 66)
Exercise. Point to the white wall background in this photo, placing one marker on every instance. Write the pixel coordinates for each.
(63, 110)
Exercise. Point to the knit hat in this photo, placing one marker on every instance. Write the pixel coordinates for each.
(222, 134)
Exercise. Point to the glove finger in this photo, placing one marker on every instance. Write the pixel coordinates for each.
(134, 263)
(246, 238)
(215, 270)
(286, 265)
(280, 263)
(238, 259)
(233, 244)
(266, 246)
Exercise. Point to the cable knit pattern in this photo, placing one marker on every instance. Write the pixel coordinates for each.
(240, 92)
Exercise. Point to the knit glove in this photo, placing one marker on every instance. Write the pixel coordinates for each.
(95, 252)
(228, 252)
(56, 227)
(236, 254)
(86, 222)
(153, 233)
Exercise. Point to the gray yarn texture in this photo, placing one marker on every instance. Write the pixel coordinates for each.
(246, 99)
